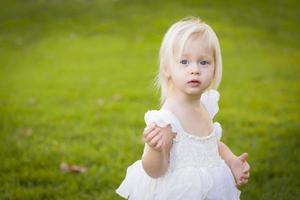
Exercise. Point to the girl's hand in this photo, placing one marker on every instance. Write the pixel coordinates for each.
(240, 169)
(158, 138)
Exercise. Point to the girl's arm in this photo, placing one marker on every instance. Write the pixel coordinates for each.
(226, 153)
(239, 166)
(155, 163)
(156, 159)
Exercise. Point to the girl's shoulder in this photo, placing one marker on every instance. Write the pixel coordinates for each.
(162, 118)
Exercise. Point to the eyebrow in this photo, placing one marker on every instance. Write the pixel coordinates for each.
(201, 56)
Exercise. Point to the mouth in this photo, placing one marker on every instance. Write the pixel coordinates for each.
(194, 83)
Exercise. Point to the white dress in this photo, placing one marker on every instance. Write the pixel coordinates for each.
(196, 171)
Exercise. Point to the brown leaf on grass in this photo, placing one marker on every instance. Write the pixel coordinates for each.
(117, 97)
(65, 167)
(100, 102)
(26, 132)
(72, 36)
(32, 101)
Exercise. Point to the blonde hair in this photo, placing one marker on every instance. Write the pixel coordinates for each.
(178, 34)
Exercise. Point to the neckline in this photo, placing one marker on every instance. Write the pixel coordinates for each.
(186, 133)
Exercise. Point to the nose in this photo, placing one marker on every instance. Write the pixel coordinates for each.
(195, 69)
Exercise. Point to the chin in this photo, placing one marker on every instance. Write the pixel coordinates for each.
(194, 93)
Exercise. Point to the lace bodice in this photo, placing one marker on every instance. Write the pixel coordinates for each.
(189, 150)
(193, 151)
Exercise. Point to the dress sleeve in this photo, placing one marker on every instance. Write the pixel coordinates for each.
(210, 99)
(160, 118)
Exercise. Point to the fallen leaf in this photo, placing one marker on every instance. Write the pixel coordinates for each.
(32, 101)
(72, 36)
(78, 169)
(65, 167)
(100, 102)
(26, 132)
(117, 97)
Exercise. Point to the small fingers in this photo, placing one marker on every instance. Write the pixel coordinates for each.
(247, 175)
(152, 134)
(155, 139)
(150, 128)
(243, 157)
(242, 181)
(247, 168)
(159, 144)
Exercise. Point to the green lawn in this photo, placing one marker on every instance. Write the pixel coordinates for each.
(76, 79)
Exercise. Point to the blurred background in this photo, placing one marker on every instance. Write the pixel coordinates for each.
(76, 78)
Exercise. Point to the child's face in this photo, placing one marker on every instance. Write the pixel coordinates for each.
(193, 71)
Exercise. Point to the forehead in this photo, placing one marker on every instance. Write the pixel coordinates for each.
(196, 46)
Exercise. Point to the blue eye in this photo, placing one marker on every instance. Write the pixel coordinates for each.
(203, 62)
(184, 62)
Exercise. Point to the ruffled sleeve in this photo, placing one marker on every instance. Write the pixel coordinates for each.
(161, 118)
(210, 99)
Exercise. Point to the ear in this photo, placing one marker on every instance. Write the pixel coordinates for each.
(166, 72)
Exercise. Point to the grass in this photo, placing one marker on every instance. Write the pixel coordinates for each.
(76, 80)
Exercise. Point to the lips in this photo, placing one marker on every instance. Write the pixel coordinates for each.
(194, 83)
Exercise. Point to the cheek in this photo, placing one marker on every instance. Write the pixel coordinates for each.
(208, 75)
(208, 72)
(178, 78)
(176, 73)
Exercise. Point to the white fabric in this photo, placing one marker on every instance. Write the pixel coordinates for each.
(196, 171)
(161, 119)
(210, 99)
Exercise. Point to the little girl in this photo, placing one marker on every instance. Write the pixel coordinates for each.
(183, 157)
